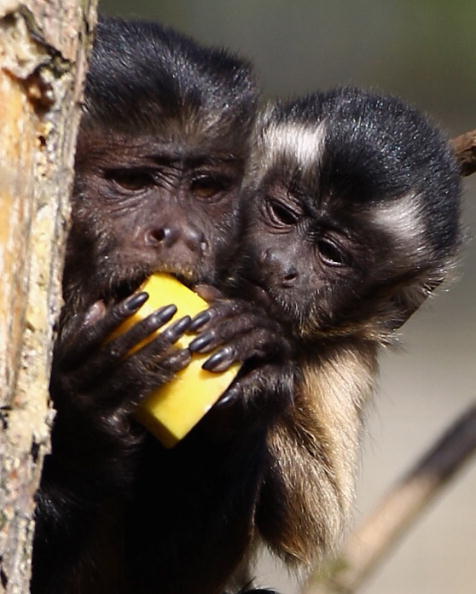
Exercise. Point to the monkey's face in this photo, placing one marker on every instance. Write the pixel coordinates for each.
(315, 266)
(141, 206)
(350, 221)
(328, 266)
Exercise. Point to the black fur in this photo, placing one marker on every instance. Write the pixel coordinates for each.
(401, 149)
(118, 513)
(377, 153)
(142, 75)
(161, 152)
(350, 220)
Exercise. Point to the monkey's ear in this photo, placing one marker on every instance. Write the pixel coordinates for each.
(406, 301)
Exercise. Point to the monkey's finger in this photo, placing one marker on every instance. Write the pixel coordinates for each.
(220, 310)
(221, 360)
(78, 346)
(258, 381)
(221, 331)
(164, 340)
(140, 331)
(200, 320)
(208, 292)
(113, 352)
(236, 391)
(259, 343)
(154, 373)
(227, 330)
(166, 367)
(136, 379)
(149, 367)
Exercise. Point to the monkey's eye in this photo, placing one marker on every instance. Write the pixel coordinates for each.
(132, 180)
(208, 186)
(331, 254)
(280, 213)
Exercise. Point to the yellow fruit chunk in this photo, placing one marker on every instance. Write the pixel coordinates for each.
(174, 409)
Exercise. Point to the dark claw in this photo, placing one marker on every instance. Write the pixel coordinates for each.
(220, 361)
(199, 320)
(163, 315)
(134, 302)
(177, 329)
(201, 342)
(229, 396)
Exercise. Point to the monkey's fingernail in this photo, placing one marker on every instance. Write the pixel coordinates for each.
(220, 361)
(178, 328)
(208, 292)
(180, 360)
(164, 314)
(135, 301)
(229, 397)
(200, 320)
(201, 342)
(94, 313)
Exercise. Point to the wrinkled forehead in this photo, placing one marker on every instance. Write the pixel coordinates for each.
(182, 134)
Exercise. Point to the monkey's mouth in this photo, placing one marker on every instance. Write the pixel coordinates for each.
(123, 289)
(184, 280)
(256, 292)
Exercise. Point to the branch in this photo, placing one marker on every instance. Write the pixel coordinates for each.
(397, 511)
(465, 149)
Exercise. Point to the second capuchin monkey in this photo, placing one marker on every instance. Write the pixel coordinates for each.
(349, 222)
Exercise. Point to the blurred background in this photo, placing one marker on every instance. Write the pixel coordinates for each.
(424, 52)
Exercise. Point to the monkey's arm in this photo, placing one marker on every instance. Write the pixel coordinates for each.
(94, 439)
(309, 487)
(309, 404)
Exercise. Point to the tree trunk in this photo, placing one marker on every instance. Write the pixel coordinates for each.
(43, 50)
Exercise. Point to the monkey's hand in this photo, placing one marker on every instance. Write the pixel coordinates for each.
(95, 384)
(98, 378)
(243, 332)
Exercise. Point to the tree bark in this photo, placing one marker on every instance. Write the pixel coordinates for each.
(43, 50)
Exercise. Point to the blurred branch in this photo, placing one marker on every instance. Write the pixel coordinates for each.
(399, 509)
(465, 149)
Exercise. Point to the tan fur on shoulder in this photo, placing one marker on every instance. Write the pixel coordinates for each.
(308, 494)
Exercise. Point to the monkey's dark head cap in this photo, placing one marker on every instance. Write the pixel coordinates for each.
(143, 74)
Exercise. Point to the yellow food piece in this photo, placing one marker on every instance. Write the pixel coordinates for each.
(174, 409)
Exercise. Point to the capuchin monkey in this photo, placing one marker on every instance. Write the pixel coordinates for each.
(349, 221)
(161, 153)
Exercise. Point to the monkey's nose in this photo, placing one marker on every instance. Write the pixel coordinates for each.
(194, 240)
(279, 270)
(166, 236)
(290, 277)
